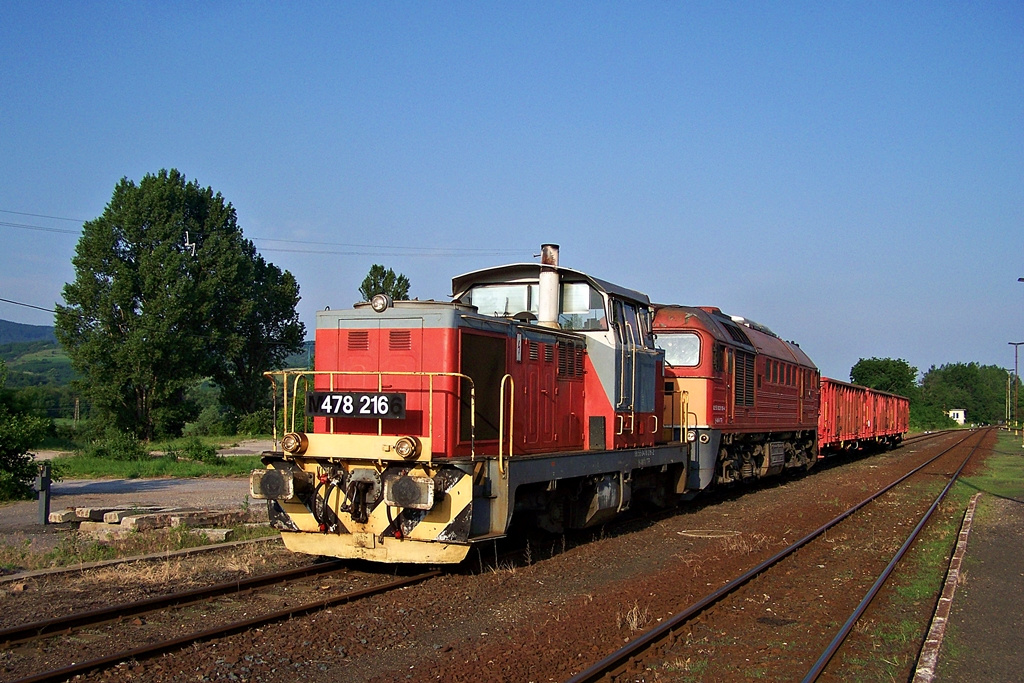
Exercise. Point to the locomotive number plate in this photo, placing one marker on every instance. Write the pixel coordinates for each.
(368, 404)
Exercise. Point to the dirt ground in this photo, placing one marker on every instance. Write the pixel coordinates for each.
(577, 597)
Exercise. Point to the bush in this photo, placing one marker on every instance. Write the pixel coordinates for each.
(117, 445)
(256, 423)
(18, 433)
(212, 421)
(196, 451)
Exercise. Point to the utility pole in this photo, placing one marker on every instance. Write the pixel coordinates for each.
(1016, 378)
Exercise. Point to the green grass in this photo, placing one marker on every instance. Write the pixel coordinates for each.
(1004, 473)
(43, 356)
(688, 670)
(86, 467)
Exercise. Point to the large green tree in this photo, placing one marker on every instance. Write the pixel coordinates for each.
(896, 376)
(266, 332)
(384, 281)
(167, 291)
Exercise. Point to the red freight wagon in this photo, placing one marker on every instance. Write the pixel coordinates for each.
(853, 416)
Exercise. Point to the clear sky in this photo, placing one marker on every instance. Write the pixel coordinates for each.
(849, 174)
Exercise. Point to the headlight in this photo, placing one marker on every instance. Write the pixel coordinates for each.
(407, 447)
(295, 443)
(691, 436)
(380, 302)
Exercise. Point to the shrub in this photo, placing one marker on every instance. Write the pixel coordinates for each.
(212, 421)
(197, 451)
(255, 423)
(117, 445)
(18, 433)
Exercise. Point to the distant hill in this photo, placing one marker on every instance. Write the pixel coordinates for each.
(11, 333)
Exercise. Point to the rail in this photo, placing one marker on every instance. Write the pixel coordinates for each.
(39, 629)
(616, 661)
(150, 650)
(303, 376)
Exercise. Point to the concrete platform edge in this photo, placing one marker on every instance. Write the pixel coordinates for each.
(928, 660)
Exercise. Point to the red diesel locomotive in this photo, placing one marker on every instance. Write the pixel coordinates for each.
(538, 390)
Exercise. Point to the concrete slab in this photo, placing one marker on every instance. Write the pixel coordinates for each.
(218, 518)
(104, 532)
(115, 516)
(63, 516)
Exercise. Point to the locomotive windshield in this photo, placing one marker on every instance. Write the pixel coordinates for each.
(582, 306)
(681, 349)
(503, 301)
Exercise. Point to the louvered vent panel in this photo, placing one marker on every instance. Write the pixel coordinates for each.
(400, 340)
(358, 340)
(549, 353)
(534, 351)
(570, 361)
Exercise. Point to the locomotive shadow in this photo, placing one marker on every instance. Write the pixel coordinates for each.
(526, 544)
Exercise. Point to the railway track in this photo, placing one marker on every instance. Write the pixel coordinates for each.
(87, 620)
(634, 652)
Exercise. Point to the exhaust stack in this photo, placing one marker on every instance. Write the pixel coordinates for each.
(548, 303)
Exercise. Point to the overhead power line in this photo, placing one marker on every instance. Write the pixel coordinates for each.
(439, 250)
(387, 251)
(39, 215)
(38, 308)
(377, 249)
(39, 228)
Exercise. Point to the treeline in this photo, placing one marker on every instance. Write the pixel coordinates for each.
(983, 391)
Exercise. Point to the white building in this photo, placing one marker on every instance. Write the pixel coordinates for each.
(958, 415)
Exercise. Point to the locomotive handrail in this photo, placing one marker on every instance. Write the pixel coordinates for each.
(631, 337)
(632, 385)
(501, 422)
(303, 375)
(622, 372)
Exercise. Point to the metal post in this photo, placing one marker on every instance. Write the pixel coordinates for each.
(1016, 380)
(43, 487)
(1006, 416)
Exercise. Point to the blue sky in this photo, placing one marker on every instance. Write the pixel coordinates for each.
(849, 174)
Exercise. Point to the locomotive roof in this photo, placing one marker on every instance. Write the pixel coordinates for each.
(724, 327)
(530, 272)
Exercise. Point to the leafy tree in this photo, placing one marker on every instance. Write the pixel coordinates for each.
(979, 389)
(885, 374)
(167, 291)
(18, 433)
(381, 281)
(267, 330)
